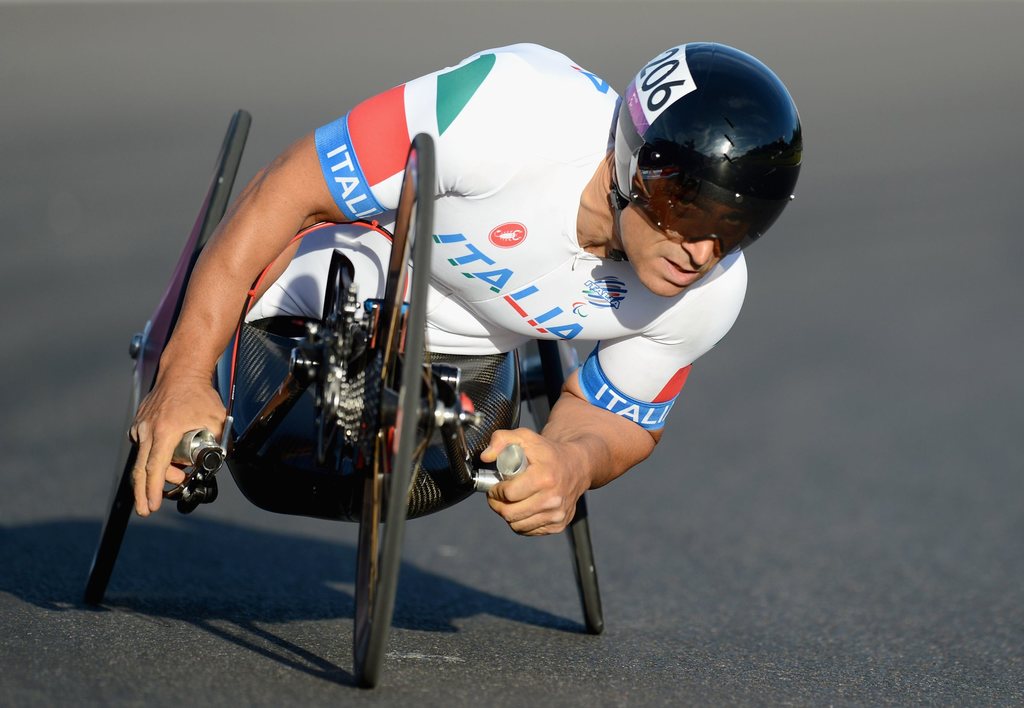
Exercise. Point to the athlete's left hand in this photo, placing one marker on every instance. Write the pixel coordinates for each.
(541, 499)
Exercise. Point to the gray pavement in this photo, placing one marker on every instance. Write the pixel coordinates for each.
(836, 517)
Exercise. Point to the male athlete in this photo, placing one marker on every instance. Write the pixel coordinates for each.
(562, 211)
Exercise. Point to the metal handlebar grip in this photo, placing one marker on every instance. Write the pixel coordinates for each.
(199, 449)
(511, 461)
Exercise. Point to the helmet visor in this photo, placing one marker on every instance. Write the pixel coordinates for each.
(681, 201)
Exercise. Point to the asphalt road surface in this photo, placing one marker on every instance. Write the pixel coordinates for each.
(836, 517)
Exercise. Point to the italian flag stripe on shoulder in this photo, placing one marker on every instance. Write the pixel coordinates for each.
(379, 134)
(455, 88)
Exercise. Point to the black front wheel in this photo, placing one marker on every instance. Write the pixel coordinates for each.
(397, 443)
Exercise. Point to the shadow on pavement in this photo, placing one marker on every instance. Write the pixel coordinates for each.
(209, 574)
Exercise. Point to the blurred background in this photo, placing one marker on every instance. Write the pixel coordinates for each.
(836, 515)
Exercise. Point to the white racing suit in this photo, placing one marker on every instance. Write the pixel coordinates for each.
(520, 131)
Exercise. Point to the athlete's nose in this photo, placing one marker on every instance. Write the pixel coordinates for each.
(701, 251)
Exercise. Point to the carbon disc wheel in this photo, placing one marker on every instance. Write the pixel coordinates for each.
(396, 442)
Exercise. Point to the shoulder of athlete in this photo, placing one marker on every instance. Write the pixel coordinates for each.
(707, 310)
(525, 95)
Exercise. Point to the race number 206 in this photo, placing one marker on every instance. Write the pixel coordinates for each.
(664, 81)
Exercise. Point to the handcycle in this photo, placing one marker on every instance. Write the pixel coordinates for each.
(334, 417)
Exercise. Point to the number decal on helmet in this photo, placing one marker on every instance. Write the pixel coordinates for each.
(662, 82)
(660, 90)
(661, 58)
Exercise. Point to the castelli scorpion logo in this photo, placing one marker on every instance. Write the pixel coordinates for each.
(507, 235)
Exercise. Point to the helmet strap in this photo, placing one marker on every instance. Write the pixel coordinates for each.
(618, 203)
(618, 199)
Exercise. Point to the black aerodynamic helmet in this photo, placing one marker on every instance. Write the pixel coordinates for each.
(704, 122)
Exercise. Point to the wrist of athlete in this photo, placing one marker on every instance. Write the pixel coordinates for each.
(186, 365)
(584, 459)
(198, 342)
(603, 446)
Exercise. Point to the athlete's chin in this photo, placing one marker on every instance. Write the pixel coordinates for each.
(669, 290)
(662, 287)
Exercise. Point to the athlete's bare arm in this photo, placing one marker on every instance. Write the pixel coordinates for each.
(282, 199)
(582, 447)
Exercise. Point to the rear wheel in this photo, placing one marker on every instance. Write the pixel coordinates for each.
(147, 347)
(553, 359)
(397, 442)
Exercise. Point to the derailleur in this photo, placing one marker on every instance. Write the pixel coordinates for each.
(333, 359)
(339, 359)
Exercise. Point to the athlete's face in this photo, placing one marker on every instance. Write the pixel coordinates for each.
(667, 261)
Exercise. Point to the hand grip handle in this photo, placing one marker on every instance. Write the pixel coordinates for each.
(199, 449)
(511, 461)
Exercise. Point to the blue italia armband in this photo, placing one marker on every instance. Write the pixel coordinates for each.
(342, 171)
(603, 394)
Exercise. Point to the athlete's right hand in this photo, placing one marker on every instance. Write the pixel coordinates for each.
(177, 404)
